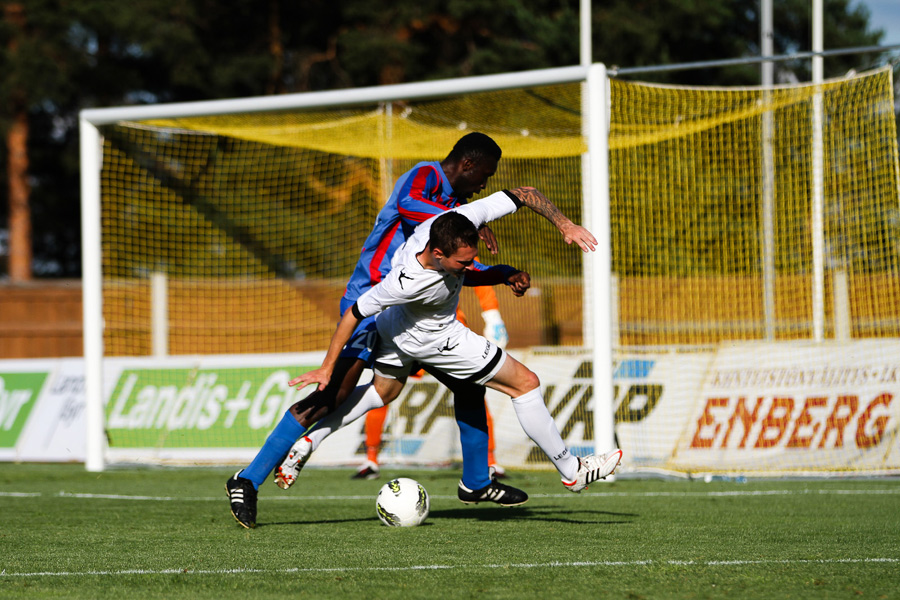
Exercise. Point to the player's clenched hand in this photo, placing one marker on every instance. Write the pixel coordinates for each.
(487, 236)
(579, 235)
(519, 283)
(320, 376)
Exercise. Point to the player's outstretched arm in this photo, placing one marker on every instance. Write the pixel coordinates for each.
(542, 205)
(341, 336)
(518, 281)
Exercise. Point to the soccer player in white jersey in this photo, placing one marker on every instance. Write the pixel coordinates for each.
(416, 308)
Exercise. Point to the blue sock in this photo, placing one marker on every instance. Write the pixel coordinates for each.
(277, 445)
(473, 436)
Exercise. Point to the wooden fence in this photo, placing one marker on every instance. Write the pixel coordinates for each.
(44, 318)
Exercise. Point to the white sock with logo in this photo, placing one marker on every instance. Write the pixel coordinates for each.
(360, 401)
(540, 427)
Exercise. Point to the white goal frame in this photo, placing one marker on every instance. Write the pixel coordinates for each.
(598, 317)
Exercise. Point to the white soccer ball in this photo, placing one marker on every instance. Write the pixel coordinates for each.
(402, 502)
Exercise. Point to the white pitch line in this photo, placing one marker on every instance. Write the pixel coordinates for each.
(555, 565)
(709, 494)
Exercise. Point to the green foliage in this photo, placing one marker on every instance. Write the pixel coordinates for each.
(436, 40)
(634, 33)
(97, 53)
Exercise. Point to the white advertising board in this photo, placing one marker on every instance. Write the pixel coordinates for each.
(795, 408)
(755, 408)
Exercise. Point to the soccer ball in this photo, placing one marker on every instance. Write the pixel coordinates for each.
(402, 502)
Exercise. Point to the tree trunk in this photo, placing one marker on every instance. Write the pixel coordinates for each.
(20, 251)
(276, 49)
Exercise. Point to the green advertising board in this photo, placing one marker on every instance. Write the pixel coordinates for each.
(18, 395)
(199, 408)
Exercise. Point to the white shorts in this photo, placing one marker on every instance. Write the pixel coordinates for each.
(456, 350)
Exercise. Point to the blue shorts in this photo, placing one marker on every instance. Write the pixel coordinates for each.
(362, 341)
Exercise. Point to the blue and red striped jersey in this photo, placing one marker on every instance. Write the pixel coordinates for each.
(419, 194)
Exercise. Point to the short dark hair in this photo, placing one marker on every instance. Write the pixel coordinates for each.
(452, 231)
(475, 146)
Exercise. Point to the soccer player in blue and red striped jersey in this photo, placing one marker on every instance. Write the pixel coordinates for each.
(428, 189)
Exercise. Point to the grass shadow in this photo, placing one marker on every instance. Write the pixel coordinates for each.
(543, 513)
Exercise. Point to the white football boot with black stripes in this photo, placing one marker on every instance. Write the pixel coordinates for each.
(592, 468)
(496, 492)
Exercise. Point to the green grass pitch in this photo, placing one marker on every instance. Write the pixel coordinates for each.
(166, 533)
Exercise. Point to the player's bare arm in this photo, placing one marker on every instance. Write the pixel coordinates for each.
(341, 336)
(542, 205)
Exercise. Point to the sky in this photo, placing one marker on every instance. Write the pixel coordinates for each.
(884, 14)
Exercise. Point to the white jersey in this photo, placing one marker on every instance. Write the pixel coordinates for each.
(421, 298)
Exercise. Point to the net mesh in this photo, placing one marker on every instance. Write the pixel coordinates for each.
(256, 221)
(688, 216)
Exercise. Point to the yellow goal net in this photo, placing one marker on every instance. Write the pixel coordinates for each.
(235, 234)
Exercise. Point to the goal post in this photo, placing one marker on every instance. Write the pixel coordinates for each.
(93, 122)
(599, 271)
(92, 293)
(740, 314)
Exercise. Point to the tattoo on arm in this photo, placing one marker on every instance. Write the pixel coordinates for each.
(540, 204)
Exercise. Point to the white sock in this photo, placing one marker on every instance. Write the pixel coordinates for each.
(540, 427)
(360, 401)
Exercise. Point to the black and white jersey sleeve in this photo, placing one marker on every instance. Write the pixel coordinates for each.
(491, 208)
